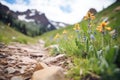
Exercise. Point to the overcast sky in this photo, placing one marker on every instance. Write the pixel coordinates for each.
(68, 11)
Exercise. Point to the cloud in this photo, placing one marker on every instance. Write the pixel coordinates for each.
(68, 11)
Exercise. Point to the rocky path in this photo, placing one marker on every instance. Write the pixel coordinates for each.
(20, 61)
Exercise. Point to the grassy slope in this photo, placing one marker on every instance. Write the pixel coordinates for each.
(113, 18)
(71, 48)
(8, 34)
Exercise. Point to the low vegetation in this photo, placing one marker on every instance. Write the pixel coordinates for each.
(93, 45)
(7, 34)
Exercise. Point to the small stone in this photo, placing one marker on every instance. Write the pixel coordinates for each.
(27, 60)
(41, 42)
(10, 70)
(17, 78)
(49, 60)
(55, 46)
(60, 56)
(3, 62)
(22, 70)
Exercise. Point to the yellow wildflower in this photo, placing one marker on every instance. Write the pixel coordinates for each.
(89, 15)
(65, 32)
(103, 24)
(76, 27)
(92, 17)
(57, 36)
(108, 28)
(85, 17)
(102, 27)
(99, 28)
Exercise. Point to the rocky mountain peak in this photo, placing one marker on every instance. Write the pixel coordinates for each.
(3, 7)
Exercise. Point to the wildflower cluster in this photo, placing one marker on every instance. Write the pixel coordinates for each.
(88, 44)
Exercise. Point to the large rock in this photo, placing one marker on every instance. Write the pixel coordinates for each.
(117, 8)
(49, 73)
(93, 10)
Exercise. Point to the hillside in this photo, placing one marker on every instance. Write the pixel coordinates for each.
(93, 45)
(110, 14)
(7, 34)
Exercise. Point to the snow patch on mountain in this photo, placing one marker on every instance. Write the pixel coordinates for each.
(59, 25)
(32, 14)
(23, 17)
(48, 26)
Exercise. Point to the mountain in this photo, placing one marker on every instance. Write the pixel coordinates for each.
(30, 22)
(39, 18)
(35, 16)
(27, 17)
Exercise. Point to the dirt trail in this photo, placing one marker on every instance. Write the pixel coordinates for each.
(19, 60)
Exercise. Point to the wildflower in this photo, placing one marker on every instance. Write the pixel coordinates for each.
(108, 28)
(65, 32)
(89, 15)
(92, 37)
(57, 36)
(85, 17)
(102, 27)
(99, 28)
(103, 24)
(77, 27)
(92, 17)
